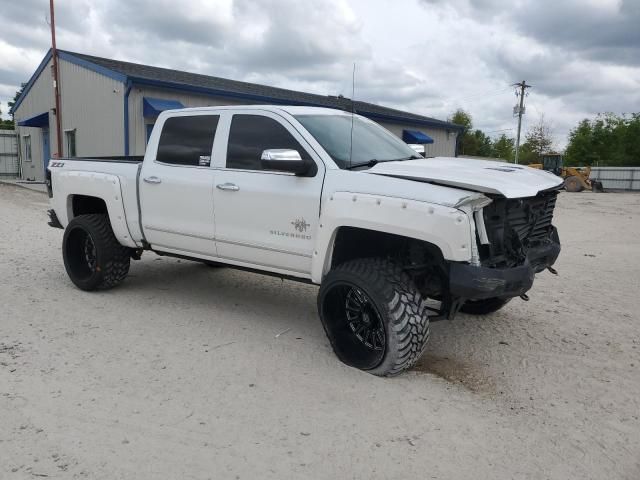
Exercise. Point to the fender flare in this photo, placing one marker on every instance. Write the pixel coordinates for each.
(104, 186)
(447, 228)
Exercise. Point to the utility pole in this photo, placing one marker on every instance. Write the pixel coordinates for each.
(520, 110)
(56, 88)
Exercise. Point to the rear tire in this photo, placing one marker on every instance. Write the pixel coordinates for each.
(573, 184)
(92, 255)
(374, 316)
(484, 307)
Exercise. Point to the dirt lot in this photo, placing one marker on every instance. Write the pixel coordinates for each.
(180, 372)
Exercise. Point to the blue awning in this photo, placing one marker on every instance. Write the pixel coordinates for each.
(41, 120)
(415, 136)
(152, 107)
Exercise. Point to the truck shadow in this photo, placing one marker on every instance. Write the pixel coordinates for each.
(455, 352)
(224, 290)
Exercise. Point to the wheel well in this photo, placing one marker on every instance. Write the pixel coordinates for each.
(85, 204)
(352, 242)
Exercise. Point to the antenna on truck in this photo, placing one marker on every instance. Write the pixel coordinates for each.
(353, 94)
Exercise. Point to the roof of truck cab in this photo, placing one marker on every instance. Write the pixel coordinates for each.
(291, 109)
(147, 75)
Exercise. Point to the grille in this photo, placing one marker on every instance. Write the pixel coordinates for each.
(515, 225)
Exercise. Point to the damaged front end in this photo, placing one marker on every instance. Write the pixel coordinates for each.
(515, 240)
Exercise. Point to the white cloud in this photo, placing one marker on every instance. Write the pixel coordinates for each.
(425, 56)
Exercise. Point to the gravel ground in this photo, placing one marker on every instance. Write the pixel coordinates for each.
(180, 373)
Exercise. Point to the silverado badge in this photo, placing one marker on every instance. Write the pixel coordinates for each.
(300, 224)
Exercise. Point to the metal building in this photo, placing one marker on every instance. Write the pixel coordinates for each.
(108, 107)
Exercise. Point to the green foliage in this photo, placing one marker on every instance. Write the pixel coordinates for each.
(504, 147)
(5, 124)
(15, 97)
(9, 124)
(538, 141)
(460, 117)
(609, 139)
(471, 142)
(528, 154)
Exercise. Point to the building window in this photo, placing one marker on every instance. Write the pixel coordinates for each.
(26, 142)
(70, 142)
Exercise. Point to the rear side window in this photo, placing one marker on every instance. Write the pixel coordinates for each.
(184, 140)
(251, 134)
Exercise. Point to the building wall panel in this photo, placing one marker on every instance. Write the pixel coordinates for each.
(93, 105)
(444, 142)
(137, 122)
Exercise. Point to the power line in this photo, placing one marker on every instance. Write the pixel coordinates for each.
(481, 95)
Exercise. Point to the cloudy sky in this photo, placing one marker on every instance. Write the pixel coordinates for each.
(424, 56)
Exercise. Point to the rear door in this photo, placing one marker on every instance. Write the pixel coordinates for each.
(265, 219)
(176, 186)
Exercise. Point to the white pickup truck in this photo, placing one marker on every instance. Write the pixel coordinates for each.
(322, 196)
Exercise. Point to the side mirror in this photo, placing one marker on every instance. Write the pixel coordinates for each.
(418, 148)
(284, 160)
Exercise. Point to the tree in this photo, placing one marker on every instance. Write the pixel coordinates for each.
(470, 142)
(606, 140)
(504, 148)
(15, 98)
(538, 141)
(460, 117)
(9, 124)
(5, 124)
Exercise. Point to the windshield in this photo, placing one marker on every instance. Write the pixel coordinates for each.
(371, 142)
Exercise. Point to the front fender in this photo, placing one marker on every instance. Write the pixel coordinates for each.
(100, 185)
(445, 227)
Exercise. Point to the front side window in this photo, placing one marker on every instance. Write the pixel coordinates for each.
(70, 141)
(26, 141)
(351, 146)
(187, 140)
(250, 135)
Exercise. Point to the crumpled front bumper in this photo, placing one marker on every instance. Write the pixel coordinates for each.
(477, 282)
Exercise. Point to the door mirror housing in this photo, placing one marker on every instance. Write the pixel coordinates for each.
(285, 160)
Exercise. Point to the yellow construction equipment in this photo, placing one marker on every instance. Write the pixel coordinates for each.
(575, 179)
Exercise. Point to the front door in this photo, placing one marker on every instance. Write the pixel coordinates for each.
(265, 218)
(176, 187)
(46, 151)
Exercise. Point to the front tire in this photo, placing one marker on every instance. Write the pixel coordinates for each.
(374, 316)
(92, 255)
(484, 307)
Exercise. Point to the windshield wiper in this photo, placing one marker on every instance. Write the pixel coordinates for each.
(373, 162)
(370, 163)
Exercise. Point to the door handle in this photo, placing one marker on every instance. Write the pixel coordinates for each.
(228, 186)
(153, 180)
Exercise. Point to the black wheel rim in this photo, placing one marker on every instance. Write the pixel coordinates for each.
(354, 325)
(81, 254)
(363, 319)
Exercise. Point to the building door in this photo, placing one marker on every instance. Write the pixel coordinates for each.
(46, 153)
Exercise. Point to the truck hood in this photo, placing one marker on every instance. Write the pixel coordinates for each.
(507, 179)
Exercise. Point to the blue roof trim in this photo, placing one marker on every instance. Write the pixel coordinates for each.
(38, 121)
(31, 81)
(415, 136)
(152, 107)
(92, 66)
(267, 99)
(69, 58)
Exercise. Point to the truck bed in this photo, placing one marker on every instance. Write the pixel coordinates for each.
(88, 175)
